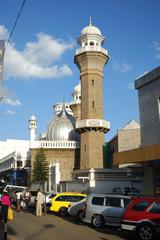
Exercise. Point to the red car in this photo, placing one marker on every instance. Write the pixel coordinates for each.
(143, 216)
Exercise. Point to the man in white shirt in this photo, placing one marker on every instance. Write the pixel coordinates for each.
(27, 198)
(19, 198)
(40, 201)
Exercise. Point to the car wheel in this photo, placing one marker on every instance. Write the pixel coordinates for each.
(98, 221)
(146, 231)
(63, 211)
(80, 215)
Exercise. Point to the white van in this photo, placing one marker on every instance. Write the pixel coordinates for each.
(9, 188)
(105, 209)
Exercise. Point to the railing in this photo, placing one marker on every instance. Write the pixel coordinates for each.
(91, 48)
(55, 144)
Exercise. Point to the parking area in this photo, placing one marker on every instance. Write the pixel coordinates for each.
(27, 226)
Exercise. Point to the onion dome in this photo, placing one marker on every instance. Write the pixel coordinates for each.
(90, 38)
(91, 30)
(32, 118)
(62, 127)
(77, 88)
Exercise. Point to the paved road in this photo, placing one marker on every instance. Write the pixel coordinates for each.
(26, 226)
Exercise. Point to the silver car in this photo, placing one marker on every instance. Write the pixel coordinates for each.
(105, 209)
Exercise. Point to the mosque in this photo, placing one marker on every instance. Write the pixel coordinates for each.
(73, 142)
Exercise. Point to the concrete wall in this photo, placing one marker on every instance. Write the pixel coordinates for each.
(148, 181)
(101, 186)
(149, 92)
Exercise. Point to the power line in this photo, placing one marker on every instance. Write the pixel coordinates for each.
(13, 28)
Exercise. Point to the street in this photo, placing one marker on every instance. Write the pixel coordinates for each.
(27, 226)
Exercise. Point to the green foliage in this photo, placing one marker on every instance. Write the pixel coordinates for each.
(40, 167)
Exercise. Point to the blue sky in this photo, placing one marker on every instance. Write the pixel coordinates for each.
(39, 69)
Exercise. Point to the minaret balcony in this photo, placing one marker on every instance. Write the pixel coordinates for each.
(91, 48)
(92, 124)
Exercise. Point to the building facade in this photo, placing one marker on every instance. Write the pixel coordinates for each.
(148, 153)
(126, 138)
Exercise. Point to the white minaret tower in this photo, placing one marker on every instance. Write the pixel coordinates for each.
(32, 127)
(76, 103)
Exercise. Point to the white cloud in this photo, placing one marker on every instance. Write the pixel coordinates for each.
(156, 47)
(10, 98)
(9, 112)
(38, 58)
(121, 67)
(4, 34)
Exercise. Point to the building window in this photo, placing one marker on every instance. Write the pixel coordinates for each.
(92, 82)
(159, 107)
(91, 43)
(93, 105)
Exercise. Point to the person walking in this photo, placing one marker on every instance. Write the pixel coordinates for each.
(5, 201)
(40, 201)
(19, 199)
(27, 198)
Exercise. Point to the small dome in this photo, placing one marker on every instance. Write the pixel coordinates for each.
(62, 127)
(77, 88)
(32, 118)
(90, 30)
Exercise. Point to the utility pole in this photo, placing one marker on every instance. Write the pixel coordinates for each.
(2, 45)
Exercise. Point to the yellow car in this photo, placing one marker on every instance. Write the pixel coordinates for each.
(61, 201)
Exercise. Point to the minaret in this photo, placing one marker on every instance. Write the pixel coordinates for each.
(90, 59)
(32, 127)
(76, 103)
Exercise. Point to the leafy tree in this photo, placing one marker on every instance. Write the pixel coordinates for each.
(40, 167)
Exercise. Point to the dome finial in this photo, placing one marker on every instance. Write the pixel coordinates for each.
(90, 21)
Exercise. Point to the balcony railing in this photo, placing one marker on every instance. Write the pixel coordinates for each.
(93, 123)
(91, 48)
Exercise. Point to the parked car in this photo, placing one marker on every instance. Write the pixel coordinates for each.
(76, 209)
(61, 201)
(105, 209)
(32, 202)
(133, 191)
(48, 198)
(10, 188)
(143, 216)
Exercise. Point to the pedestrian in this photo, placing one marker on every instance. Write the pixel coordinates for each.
(40, 201)
(27, 198)
(19, 199)
(5, 201)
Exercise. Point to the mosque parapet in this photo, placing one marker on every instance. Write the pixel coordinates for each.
(90, 49)
(95, 124)
(56, 144)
